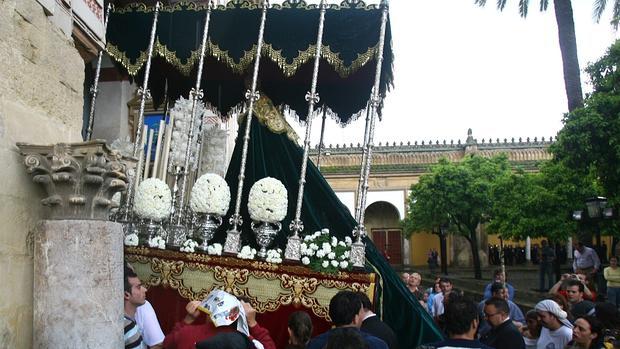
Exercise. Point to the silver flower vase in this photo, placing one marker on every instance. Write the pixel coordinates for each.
(153, 229)
(265, 233)
(205, 226)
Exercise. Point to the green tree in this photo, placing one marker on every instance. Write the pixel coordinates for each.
(568, 42)
(539, 204)
(590, 138)
(457, 193)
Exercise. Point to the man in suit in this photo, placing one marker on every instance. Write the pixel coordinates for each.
(503, 334)
(373, 325)
(345, 310)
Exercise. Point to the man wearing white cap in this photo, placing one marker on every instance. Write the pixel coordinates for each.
(226, 314)
(557, 330)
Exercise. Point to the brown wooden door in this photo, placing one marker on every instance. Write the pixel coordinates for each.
(394, 247)
(389, 244)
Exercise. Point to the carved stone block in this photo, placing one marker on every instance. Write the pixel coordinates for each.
(79, 178)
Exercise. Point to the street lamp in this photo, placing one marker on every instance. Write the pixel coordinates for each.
(596, 209)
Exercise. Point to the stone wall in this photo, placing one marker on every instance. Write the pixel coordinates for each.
(41, 77)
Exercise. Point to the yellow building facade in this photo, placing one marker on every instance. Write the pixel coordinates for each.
(395, 167)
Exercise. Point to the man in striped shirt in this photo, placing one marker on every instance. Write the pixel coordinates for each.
(134, 296)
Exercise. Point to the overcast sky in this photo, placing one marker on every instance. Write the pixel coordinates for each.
(459, 66)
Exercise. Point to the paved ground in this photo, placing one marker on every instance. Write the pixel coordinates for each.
(523, 278)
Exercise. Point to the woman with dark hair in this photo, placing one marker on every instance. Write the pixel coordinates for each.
(346, 338)
(299, 330)
(587, 334)
(531, 331)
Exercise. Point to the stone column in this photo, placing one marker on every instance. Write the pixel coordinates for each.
(78, 285)
(528, 249)
(569, 248)
(406, 252)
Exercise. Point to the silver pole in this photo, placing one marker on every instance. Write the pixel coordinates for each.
(95, 88)
(232, 243)
(318, 158)
(360, 183)
(144, 91)
(296, 226)
(357, 257)
(196, 94)
(138, 146)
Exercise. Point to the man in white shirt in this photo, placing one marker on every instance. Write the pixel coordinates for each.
(446, 287)
(557, 331)
(586, 260)
(146, 319)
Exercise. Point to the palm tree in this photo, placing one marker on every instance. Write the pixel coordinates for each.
(568, 42)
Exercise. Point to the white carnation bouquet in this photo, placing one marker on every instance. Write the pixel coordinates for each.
(215, 249)
(210, 194)
(325, 253)
(268, 201)
(246, 252)
(182, 113)
(189, 246)
(157, 242)
(274, 256)
(153, 200)
(132, 240)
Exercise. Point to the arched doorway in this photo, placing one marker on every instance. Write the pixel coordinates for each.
(382, 222)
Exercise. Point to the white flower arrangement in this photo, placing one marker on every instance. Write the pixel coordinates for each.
(210, 194)
(123, 146)
(215, 249)
(153, 200)
(246, 252)
(157, 242)
(189, 246)
(325, 253)
(274, 256)
(132, 240)
(268, 201)
(182, 113)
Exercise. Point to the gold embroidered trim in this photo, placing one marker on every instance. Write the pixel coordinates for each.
(289, 69)
(233, 4)
(267, 114)
(122, 59)
(267, 286)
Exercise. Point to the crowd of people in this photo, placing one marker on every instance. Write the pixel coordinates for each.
(232, 324)
(571, 315)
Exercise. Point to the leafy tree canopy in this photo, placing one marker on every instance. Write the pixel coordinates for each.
(458, 193)
(589, 142)
(539, 204)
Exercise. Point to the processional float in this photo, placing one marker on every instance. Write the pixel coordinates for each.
(339, 41)
(181, 220)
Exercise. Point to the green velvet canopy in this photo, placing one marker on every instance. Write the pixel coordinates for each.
(347, 69)
(275, 155)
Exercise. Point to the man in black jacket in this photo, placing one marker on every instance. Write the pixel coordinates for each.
(373, 325)
(504, 334)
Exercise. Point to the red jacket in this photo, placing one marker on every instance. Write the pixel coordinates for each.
(184, 336)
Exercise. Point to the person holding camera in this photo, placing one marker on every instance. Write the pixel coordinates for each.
(578, 306)
(560, 286)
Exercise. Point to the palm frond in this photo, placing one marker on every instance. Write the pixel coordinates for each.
(599, 8)
(480, 3)
(523, 7)
(501, 4)
(616, 14)
(544, 4)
